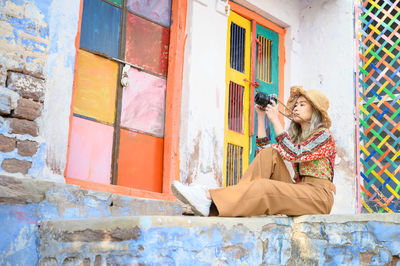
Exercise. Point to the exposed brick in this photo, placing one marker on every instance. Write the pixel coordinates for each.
(3, 77)
(49, 262)
(88, 235)
(16, 166)
(27, 86)
(23, 191)
(27, 147)
(85, 262)
(97, 260)
(70, 261)
(19, 126)
(366, 258)
(28, 109)
(5, 104)
(7, 144)
(76, 261)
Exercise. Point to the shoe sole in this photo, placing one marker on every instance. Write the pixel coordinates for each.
(182, 198)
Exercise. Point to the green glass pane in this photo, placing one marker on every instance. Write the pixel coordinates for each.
(117, 2)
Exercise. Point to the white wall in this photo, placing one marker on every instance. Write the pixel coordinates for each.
(328, 50)
(63, 27)
(319, 46)
(203, 95)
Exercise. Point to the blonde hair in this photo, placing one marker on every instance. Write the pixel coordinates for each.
(295, 131)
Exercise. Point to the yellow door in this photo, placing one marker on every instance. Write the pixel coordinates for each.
(237, 139)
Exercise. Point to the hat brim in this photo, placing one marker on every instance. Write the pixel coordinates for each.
(297, 91)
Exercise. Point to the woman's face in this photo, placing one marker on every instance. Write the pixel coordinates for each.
(302, 111)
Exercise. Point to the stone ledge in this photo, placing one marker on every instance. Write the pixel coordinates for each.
(228, 222)
(367, 239)
(64, 201)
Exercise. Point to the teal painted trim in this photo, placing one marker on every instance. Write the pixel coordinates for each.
(267, 88)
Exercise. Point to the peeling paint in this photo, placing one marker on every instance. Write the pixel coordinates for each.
(229, 241)
(192, 161)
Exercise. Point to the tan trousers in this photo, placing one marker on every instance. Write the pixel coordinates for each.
(266, 188)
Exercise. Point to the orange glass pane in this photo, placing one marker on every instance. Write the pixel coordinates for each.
(140, 161)
(96, 86)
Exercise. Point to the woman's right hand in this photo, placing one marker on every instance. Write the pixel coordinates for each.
(260, 111)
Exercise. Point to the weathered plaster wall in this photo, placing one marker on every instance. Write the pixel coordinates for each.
(47, 223)
(203, 95)
(36, 72)
(25, 202)
(63, 27)
(308, 240)
(24, 42)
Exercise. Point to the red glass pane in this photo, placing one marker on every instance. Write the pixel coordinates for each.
(147, 44)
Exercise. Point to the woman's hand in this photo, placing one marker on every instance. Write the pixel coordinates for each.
(260, 111)
(273, 115)
(272, 112)
(260, 121)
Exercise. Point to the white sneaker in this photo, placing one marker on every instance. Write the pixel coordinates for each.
(194, 195)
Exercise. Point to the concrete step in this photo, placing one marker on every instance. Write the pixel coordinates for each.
(368, 239)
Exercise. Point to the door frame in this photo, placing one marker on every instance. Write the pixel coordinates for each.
(172, 111)
(253, 16)
(255, 20)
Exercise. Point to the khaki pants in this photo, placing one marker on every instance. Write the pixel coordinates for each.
(266, 188)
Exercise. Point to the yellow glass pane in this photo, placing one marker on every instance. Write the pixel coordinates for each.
(96, 87)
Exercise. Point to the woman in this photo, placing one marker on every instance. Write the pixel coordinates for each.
(267, 187)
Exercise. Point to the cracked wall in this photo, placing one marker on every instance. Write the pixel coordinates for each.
(307, 240)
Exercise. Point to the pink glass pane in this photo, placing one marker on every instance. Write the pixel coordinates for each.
(155, 10)
(143, 103)
(90, 151)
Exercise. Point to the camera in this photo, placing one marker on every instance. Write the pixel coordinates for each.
(263, 99)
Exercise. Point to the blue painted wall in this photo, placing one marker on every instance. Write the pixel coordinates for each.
(314, 240)
(19, 234)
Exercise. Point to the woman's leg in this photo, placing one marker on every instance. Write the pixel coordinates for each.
(268, 164)
(266, 196)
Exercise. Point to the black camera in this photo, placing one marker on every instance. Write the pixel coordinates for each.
(263, 99)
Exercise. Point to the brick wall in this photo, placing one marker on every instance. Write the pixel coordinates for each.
(27, 51)
(21, 105)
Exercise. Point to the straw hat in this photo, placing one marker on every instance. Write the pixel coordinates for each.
(317, 99)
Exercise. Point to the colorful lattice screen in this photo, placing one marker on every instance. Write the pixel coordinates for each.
(379, 104)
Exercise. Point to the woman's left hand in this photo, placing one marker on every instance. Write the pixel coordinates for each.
(272, 112)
